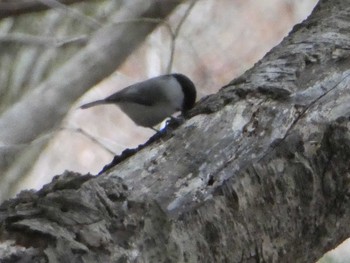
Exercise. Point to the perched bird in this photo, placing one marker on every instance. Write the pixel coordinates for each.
(149, 102)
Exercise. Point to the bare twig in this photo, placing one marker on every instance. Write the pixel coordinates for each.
(174, 34)
(91, 22)
(27, 39)
(50, 134)
(147, 20)
(16, 8)
(90, 137)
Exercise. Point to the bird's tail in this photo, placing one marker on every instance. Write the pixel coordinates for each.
(94, 103)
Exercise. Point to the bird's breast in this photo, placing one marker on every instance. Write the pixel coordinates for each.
(147, 116)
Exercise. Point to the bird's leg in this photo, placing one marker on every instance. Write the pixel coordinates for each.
(154, 129)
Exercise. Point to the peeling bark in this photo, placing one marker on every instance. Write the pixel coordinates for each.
(259, 173)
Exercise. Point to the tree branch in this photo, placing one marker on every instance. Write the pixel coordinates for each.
(26, 39)
(19, 7)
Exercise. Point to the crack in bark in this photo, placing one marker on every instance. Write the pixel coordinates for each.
(302, 114)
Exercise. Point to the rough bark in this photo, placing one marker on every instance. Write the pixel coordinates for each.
(260, 173)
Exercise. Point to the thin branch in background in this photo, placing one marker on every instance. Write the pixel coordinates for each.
(174, 34)
(147, 20)
(90, 137)
(18, 38)
(91, 22)
(46, 137)
(16, 8)
(141, 20)
(78, 40)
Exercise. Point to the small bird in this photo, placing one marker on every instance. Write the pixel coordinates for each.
(149, 102)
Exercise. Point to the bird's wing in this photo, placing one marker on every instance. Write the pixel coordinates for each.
(144, 93)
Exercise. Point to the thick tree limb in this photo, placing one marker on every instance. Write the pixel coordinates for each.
(260, 173)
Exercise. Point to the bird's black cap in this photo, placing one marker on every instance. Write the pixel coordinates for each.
(189, 91)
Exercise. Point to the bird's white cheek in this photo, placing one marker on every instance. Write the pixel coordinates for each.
(174, 94)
